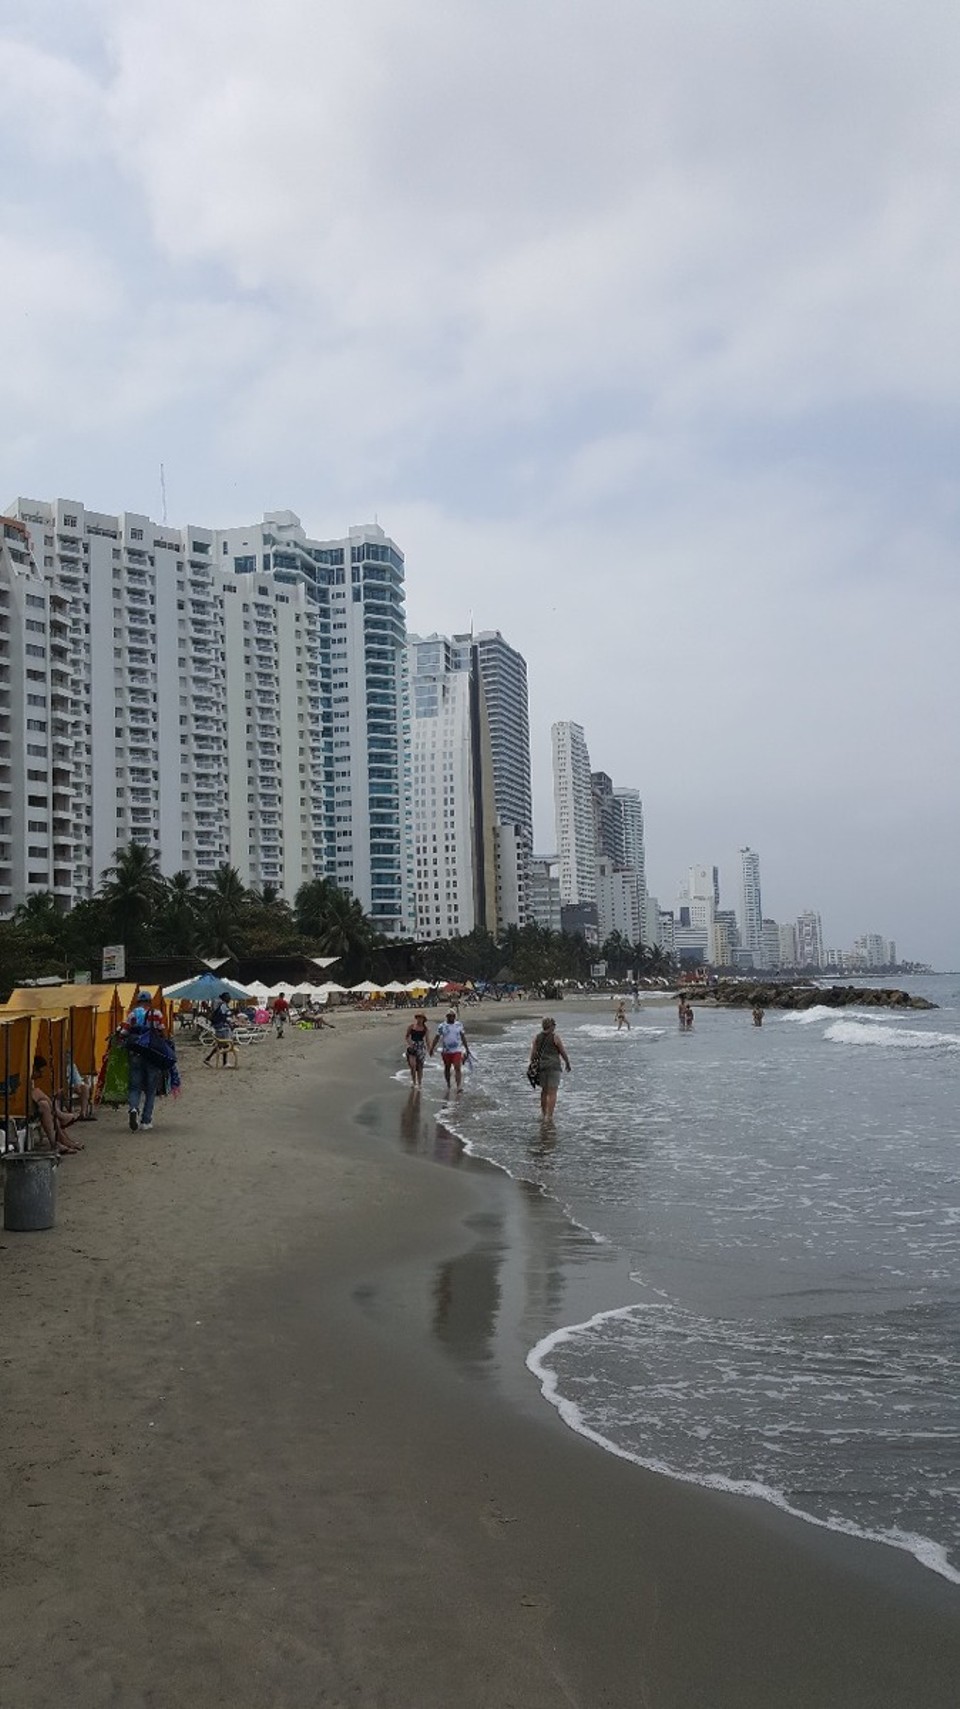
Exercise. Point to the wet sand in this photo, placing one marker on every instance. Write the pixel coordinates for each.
(260, 1447)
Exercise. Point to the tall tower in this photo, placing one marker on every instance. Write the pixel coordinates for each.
(573, 808)
(503, 672)
(751, 911)
(451, 791)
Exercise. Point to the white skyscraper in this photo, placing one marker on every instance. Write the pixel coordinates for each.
(36, 754)
(573, 808)
(503, 675)
(235, 695)
(751, 911)
(809, 940)
(452, 803)
(357, 584)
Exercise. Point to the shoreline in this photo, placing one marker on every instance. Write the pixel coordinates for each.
(252, 1402)
(923, 1550)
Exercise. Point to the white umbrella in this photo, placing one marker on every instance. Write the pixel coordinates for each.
(367, 988)
(329, 985)
(395, 985)
(417, 985)
(257, 989)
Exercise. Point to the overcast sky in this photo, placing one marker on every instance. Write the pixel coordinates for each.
(635, 324)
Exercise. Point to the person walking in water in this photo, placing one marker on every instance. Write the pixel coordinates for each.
(417, 1043)
(452, 1040)
(621, 1018)
(549, 1058)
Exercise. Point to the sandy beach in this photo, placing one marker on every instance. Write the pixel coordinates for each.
(258, 1451)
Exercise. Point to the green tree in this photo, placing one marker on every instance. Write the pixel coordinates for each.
(220, 910)
(178, 923)
(133, 891)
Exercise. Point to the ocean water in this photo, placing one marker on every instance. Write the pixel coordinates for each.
(786, 1200)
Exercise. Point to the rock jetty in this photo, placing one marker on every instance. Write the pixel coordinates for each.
(738, 994)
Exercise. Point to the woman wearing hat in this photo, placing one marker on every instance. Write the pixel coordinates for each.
(417, 1042)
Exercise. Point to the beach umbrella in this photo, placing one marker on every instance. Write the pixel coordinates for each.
(329, 985)
(416, 985)
(256, 988)
(366, 988)
(395, 986)
(206, 988)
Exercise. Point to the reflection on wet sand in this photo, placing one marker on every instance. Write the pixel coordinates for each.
(423, 1133)
(527, 1269)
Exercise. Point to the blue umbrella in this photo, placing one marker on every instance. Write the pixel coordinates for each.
(205, 988)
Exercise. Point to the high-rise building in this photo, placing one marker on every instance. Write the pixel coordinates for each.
(357, 585)
(769, 945)
(503, 672)
(36, 750)
(452, 804)
(236, 695)
(787, 953)
(618, 901)
(573, 808)
(607, 828)
(503, 676)
(751, 910)
(809, 940)
(545, 892)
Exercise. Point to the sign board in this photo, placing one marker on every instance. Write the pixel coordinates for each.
(81, 979)
(114, 962)
(598, 970)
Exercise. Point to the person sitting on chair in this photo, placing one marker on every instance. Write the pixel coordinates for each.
(52, 1119)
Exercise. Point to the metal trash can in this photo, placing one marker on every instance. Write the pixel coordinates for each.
(29, 1190)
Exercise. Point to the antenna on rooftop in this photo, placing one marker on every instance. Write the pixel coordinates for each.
(163, 496)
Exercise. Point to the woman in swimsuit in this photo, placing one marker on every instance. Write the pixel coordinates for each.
(417, 1044)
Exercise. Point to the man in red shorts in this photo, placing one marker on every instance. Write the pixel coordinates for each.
(452, 1040)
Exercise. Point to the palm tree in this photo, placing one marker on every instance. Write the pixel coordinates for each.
(40, 914)
(178, 925)
(132, 889)
(311, 906)
(346, 931)
(221, 907)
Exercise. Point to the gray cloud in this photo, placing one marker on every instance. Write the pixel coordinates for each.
(635, 325)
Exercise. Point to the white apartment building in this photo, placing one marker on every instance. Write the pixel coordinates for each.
(362, 769)
(573, 809)
(751, 910)
(503, 674)
(513, 864)
(246, 689)
(236, 695)
(769, 945)
(276, 826)
(545, 892)
(36, 758)
(787, 946)
(809, 932)
(619, 904)
(451, 793)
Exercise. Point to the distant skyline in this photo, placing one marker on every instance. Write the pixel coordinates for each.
(635, 327)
